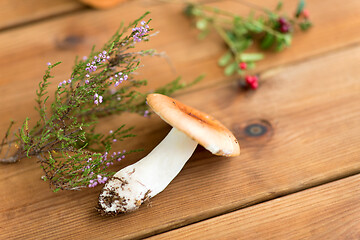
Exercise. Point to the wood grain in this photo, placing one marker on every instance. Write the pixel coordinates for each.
(311, 109)
(330, 211)
(308, 100)
(17, 12)
(61, 39)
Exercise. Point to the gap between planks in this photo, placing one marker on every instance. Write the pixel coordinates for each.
(329, 211)
(278, 196)
(19, 13)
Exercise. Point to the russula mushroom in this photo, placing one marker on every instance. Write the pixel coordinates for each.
(132, 185)
(102, 4)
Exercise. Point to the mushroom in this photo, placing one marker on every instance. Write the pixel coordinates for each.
(134, 184)
(102, 4)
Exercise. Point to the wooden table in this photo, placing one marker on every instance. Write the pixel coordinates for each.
(298, 181)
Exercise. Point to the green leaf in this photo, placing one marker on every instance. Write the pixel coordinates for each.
(250, 65)
(305, 25)
(202, 24)
(251, 57)
(267, 41)
(225, 59)
(242, 44)
(238, 21)
(300, 8)
(231, 36)
(189, 9)
(279, 6)
(287, 39)
(240, 31)
(280, 45)
(254, 26)
(231, 69)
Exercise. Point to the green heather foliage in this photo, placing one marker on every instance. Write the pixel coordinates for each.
(70, 151)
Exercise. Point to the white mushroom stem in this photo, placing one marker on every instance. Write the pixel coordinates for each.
(132, 185)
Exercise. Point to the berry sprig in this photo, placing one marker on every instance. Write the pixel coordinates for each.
(272, 31)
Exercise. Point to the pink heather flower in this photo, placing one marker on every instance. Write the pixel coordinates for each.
(86, 81)
(100, 99)
(87, 75)
(111, 131)
(60, 84)
(116, 84)
(49, 63)
(140, 32)
(69, 81)
(146, 113)
(114, 140)
(85, 58)
(96, 102)
(64, 82)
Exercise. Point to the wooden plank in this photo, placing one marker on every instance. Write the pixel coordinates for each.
(62, 39)
(330, 211)
(17, 12)
(311, 111)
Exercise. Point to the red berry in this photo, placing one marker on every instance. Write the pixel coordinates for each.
(249, 79)
(282, 21)
(252, 81)
(284, 25)
(243, 65)
(284, 28)
(305, 13)
(254, 85)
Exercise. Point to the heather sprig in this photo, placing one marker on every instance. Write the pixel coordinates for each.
(64, 139)
(272, 30)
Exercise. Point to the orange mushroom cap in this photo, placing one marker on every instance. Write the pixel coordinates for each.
(199, 126)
